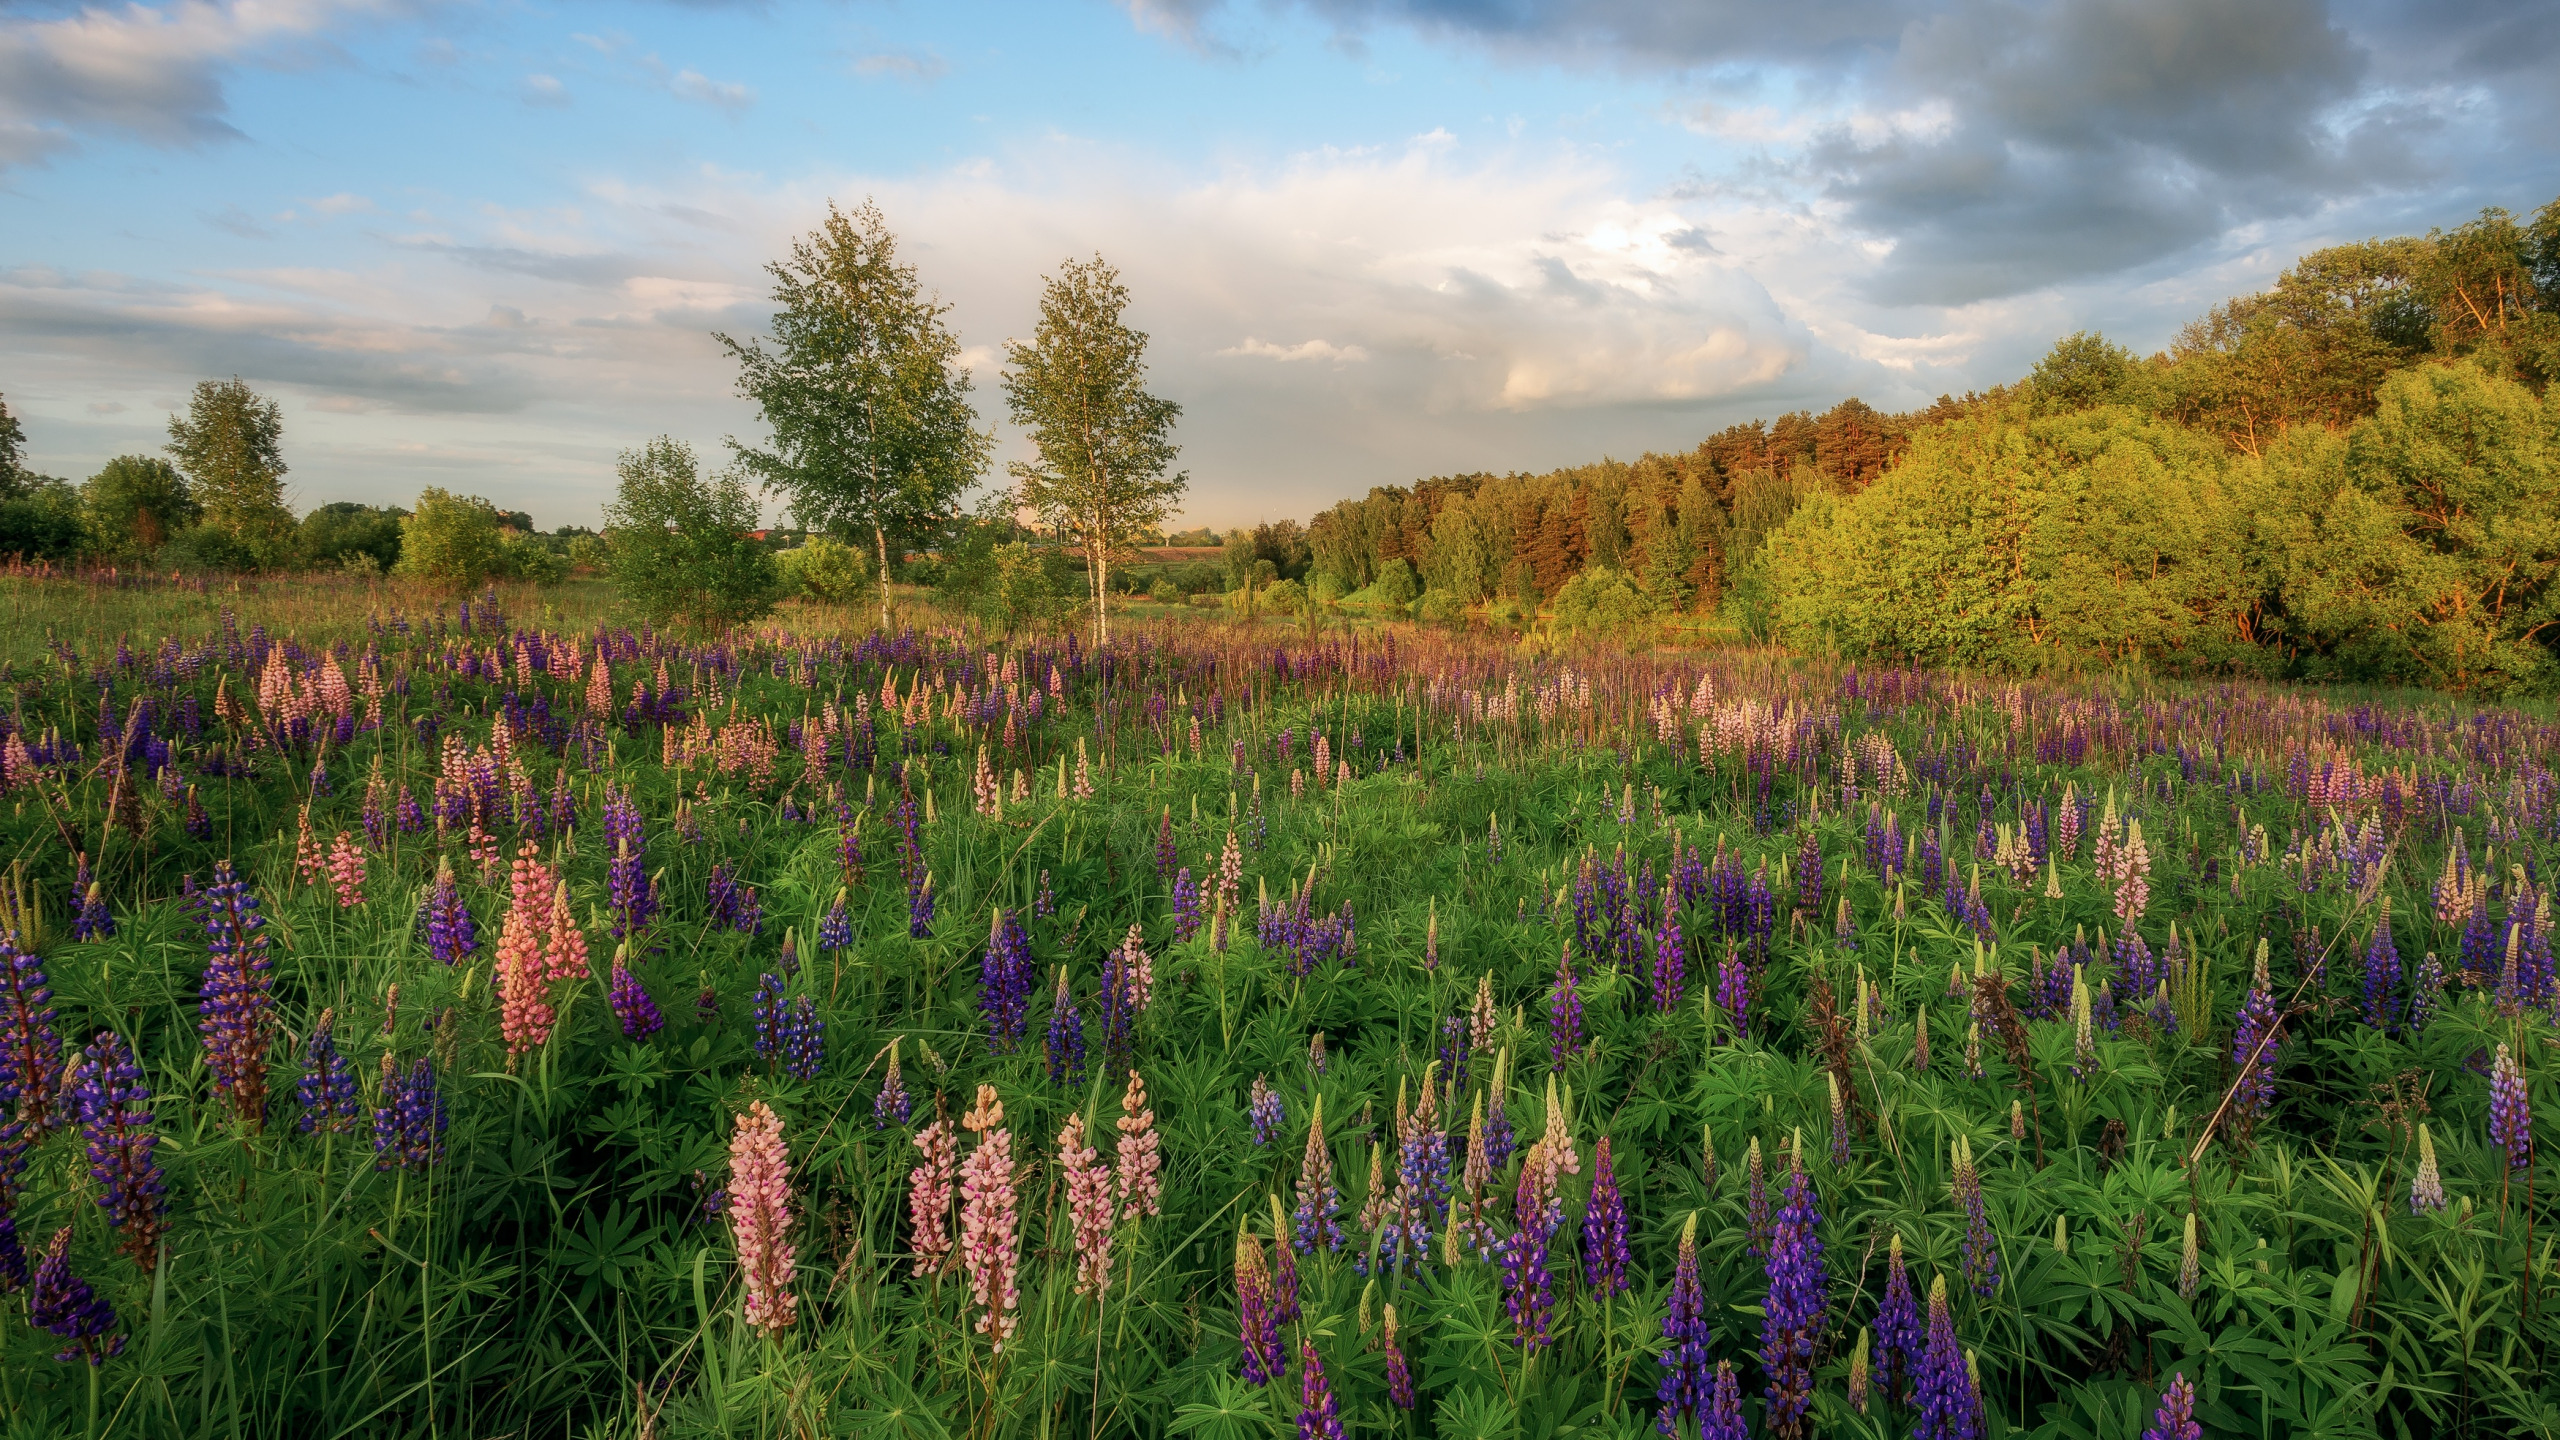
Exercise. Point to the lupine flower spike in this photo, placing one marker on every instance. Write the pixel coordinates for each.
(990, 1222)
(2426, 1192)
(2176, 1417)
(760, 1218)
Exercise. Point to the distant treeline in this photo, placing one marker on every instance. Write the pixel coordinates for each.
(2351, 475)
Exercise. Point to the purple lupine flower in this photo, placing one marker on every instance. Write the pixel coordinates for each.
(1004, 983)
(1799, 1294)
(2258, 1021)
(108, 1096)
(1422, 1158)
(631, 1004)
(1981, 1247)
(1685, 1389)
(771, 1013)
(1186, 906)
(1901, 1338)
(1164, 846)
(1723, 1420)
(1755, 1187)
(1284, 1284)
(407, 815)
(2382, 974)
(1265, 1110)
(327, 1087)
(409, 1124)
(1733, 993)
(451, 935)
(236, 1006)
(30, 1050)
(1257, 1324)
(1066, 1038)
(1604, 1229)
(706, 1004)
(1317, 1226)
(1564, 1012)
(804, 1040)
(1318, 1418)
(632, 898)
(720, 895)
(90, 918)
(63, 1303)
(1949, 1407)
(2510, 1111)
(1528, 1288)
(1499, 1136)
(1670, 966)
(2176, 1417)
(1399, 1374)
(13, 1256)
(1809, 875)
(835, 931)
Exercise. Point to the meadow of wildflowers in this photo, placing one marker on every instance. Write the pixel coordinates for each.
(452, 1022)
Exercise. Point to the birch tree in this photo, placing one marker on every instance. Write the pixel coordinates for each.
(863, 390)
(1104, 446)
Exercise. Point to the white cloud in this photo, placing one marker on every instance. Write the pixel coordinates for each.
(1303, 350)
(690, 84)
(342, 203)
(544, 90)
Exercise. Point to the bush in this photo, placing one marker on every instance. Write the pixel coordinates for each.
(1284, 597)
(1165, 592)
(531, 559)
(1603, 602)
(1504, 611)
(1326, 588)
(204, 550)
(134, 504)
(828, 569)
(41, 528)
(1396, 586)
(450, 541)
(681, 550)
(1441, 607)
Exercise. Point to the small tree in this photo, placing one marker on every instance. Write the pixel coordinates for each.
(679, 542)
(1104, 444)
(862, 387)
(134, 504)
(827, 569)
(450, 541)
(13, 441)
(230, 444)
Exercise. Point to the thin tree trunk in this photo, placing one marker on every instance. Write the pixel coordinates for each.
(881, 537)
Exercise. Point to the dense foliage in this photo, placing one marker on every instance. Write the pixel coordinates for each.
(2347, 476)
(465, 1025)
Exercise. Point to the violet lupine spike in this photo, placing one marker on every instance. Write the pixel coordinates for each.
(409, 1124)
(237, 1009)
(451, 934)
(1528, 1286)
(1670, 966)
(2510, 1111)
(1723, 1420)
(1949, 1407)
(1399, 1374)
(2382, 974)
(2176, 1417)
(803, 1040)
(109, 1098)
(632, 1005)
(1981, 1246)
(1733, 993)
(2258, 1022)
(327, 1087)
(1604, 1230)
(1265, 1110)
(1258, 1325)
(1066, 1038)
(30, 1048)
(1685, 1388)
(1318, 1416)
(1564, 1013)
(62, 1303)
(1901, 1335)
(1317, 1224)
(1004, 983)
(1799, 1297)
(1284, 1276)
(835, 931)
(90, 917)
(892, 1106)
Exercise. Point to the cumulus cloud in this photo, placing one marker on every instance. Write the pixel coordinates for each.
(1303, 350)
(148, 73)
(915, 66)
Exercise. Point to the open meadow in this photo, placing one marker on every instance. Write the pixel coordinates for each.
(480, 1019)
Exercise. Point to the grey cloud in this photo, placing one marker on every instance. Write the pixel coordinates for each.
(234, 220)
(591, 271)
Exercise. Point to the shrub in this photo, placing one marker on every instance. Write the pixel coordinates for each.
(1441, 607)
(1396, 586)
(1603, 602)
(827, 569)
(203, 550)
(1284, 597)
(681, 550)
(1165, 592)
(450, 541)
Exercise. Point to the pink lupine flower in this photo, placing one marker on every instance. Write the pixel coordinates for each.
(990, 1223)
(346, 871)
(1089, 1205)
(929, 1196)
(1141, 1167)
(310, 862)
(760, 1218)
(525, 1016)
(564, 946)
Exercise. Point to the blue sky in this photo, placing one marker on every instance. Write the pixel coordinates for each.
(484, 245)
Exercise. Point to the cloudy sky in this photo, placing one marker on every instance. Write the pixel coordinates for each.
(484, 243)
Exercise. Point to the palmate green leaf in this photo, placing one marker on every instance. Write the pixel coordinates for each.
(1233, 1411)
(1477, 1413)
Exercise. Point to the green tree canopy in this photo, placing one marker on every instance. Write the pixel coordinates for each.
(450, 541)
(1104, 446)
(679, 541)
(872, 431)
(134, 504)
(342, 529)
(230, 445)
